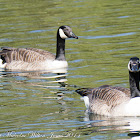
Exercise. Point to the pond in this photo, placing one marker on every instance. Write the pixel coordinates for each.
(45, 105)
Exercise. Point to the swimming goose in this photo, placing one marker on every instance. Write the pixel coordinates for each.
(36, 59)
(115, 101)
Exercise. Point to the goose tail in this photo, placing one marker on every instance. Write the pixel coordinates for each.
(82, 91)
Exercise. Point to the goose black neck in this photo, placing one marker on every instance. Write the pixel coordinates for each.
(134, 84)
(60, 50)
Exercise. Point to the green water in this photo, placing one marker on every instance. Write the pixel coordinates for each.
(38, 106)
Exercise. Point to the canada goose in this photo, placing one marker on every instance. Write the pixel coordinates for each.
(115, 101)
(36, 59)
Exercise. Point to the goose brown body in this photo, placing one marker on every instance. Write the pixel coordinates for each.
(103, 100)
(26, 58)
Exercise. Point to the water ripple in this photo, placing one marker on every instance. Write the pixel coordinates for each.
(108, 36)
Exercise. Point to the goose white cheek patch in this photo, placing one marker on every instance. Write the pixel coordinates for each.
(62, 35)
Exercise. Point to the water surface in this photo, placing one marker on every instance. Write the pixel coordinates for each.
(43, 106)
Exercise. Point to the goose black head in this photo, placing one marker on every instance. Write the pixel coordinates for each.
(133, 65)
(66, 32)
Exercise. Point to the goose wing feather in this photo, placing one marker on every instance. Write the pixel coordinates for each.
(124, 90)
(110, 95)
(25, 54)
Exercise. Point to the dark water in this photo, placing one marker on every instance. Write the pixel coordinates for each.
(34, 105)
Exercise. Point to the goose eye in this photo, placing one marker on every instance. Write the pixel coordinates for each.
(66, 30)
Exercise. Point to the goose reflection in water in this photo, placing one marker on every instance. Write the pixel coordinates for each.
(53, 76)
(99, 123)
